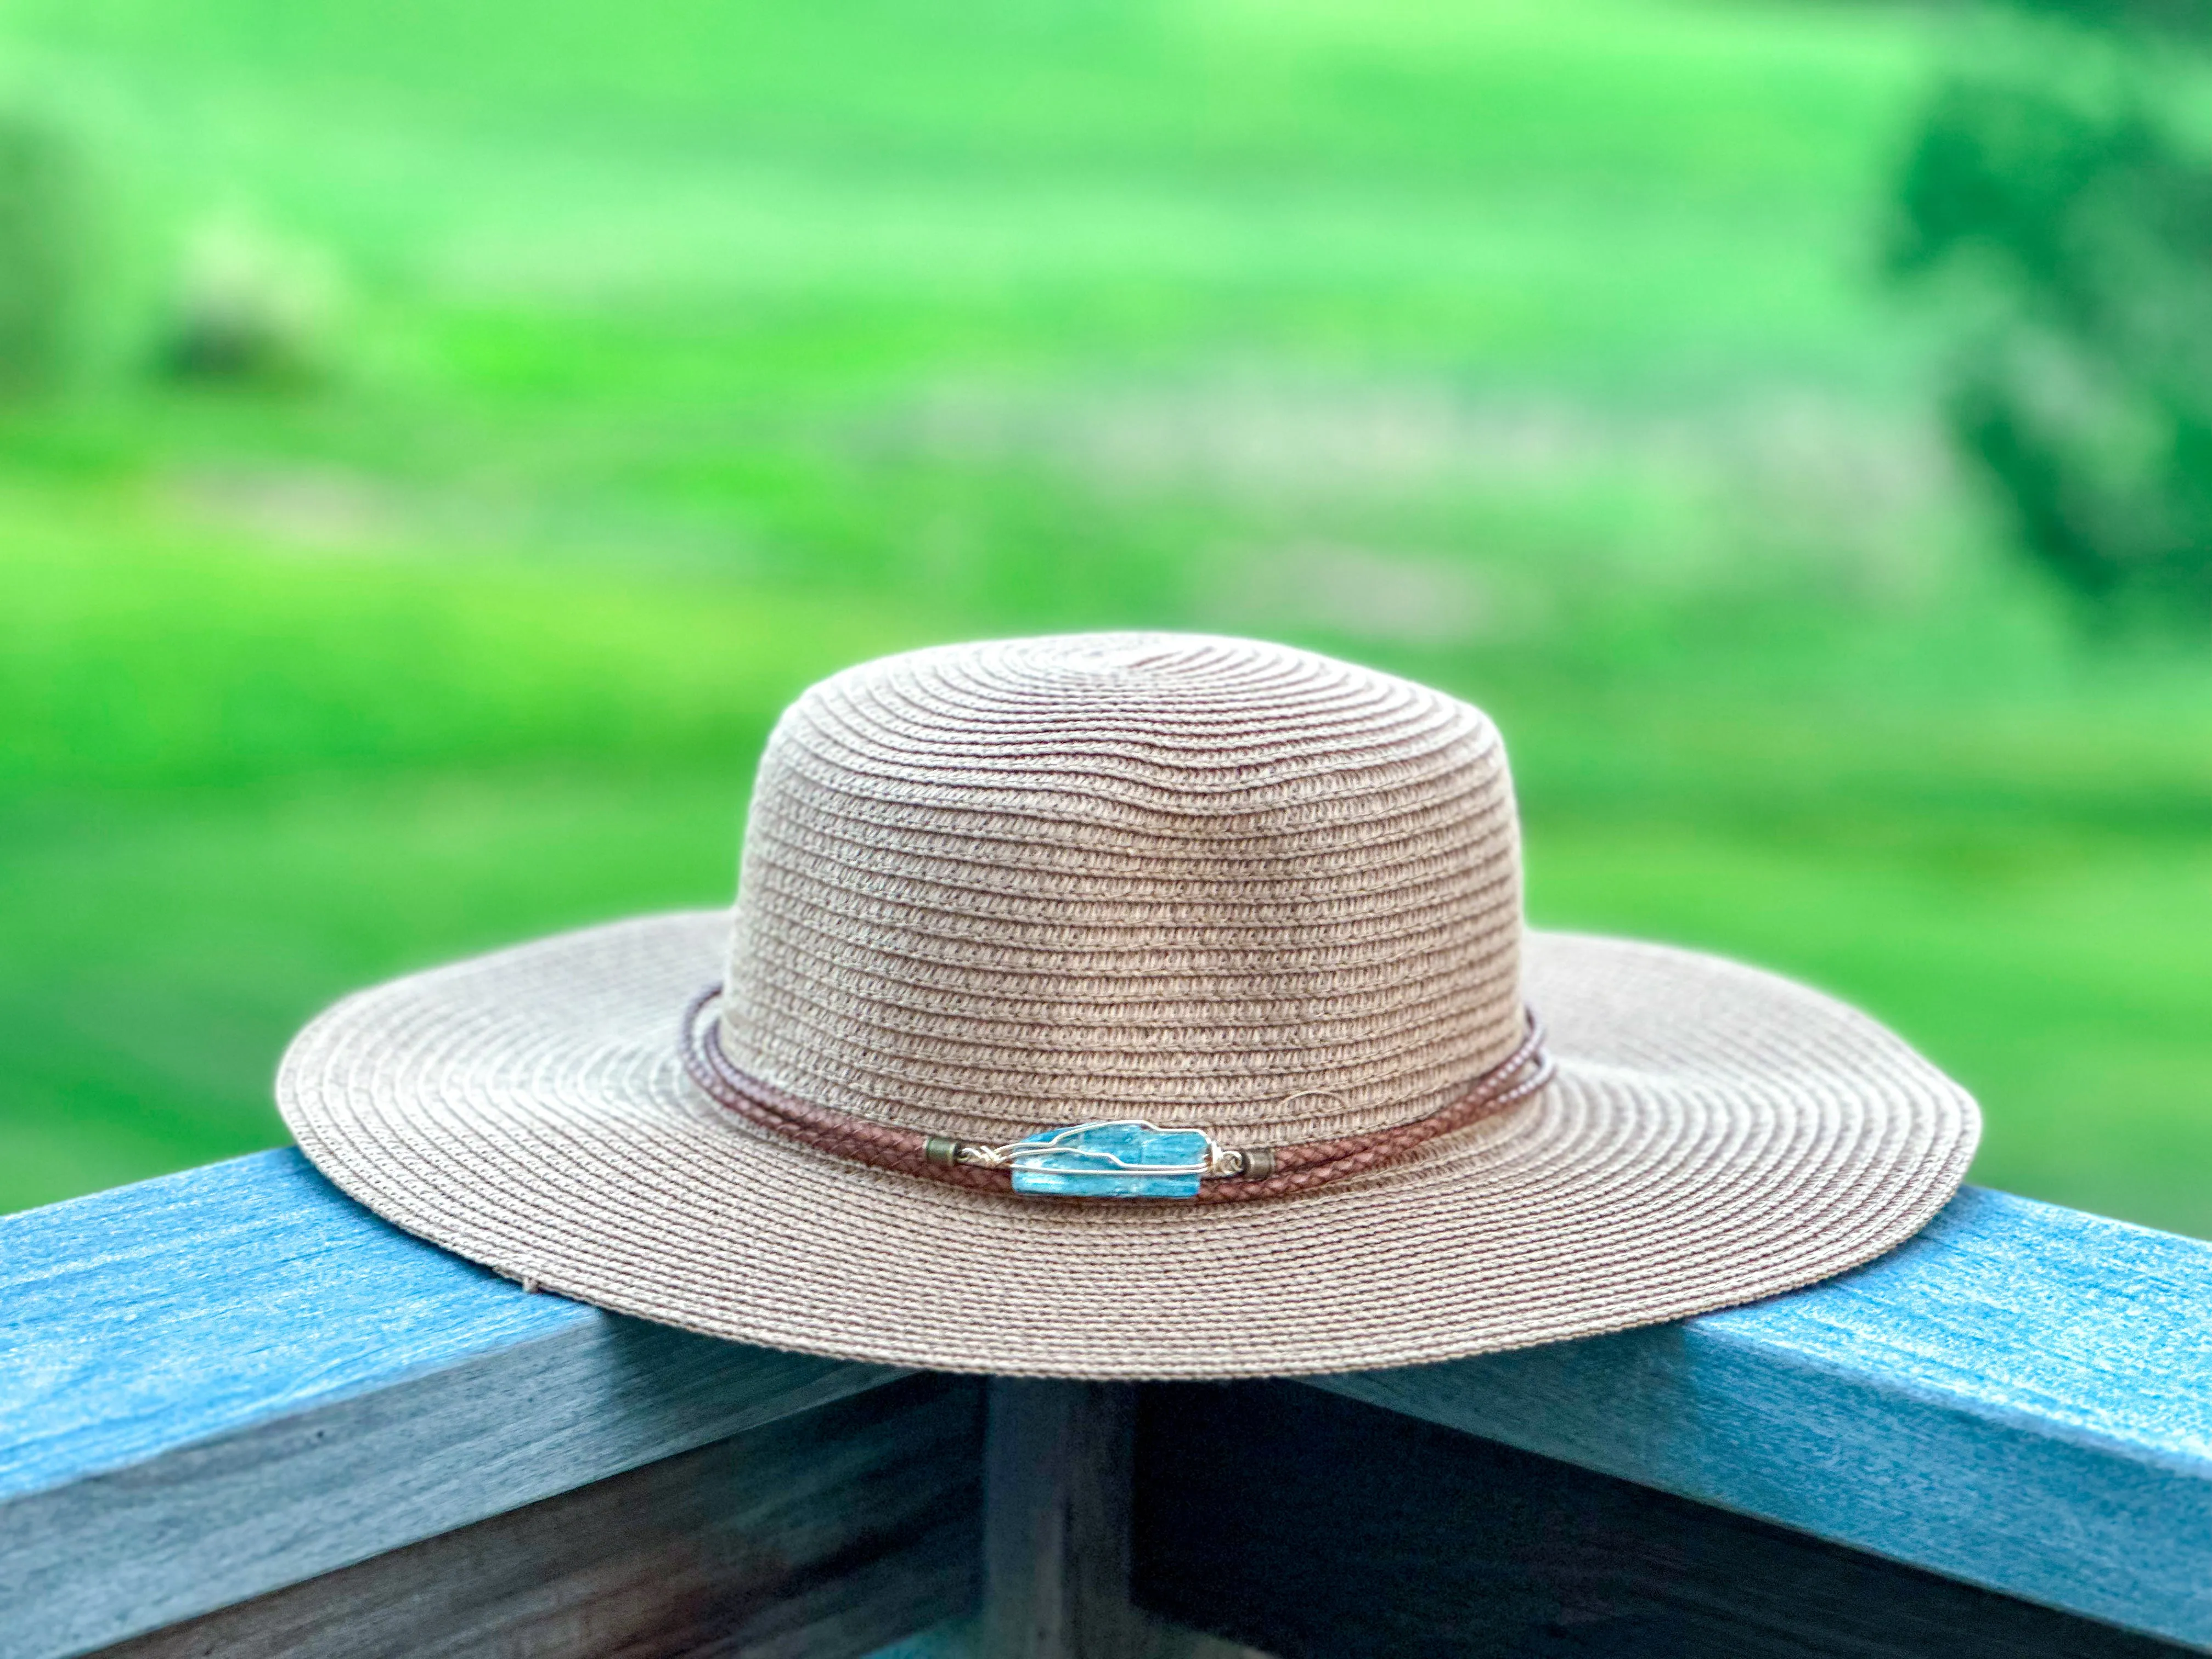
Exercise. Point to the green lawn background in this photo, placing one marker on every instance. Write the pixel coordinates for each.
(688, 354)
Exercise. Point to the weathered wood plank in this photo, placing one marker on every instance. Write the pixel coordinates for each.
(1056, 1520)
(820, 1536)
(228, 1381)
(2020, 1398)
(1312, 1526)
(234, 1380)
(1160, 1638)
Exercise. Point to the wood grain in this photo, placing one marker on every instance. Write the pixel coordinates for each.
(1313, 1527)
(823, 1536)
(1056, 1528)
(2020, 1398)
(228, 1381)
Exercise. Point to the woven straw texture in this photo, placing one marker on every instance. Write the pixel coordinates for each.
(990, 889)
(1187, 879)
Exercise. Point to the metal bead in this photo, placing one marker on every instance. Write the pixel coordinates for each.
(1259, 1163)
(941, 1150)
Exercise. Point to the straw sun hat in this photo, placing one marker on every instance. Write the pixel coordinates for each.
(1128, 1005)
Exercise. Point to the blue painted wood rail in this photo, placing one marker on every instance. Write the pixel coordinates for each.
(225, 1382)
(2020, 1397)
(234, 1379)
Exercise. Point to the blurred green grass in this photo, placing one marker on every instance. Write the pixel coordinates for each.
(1532, 350)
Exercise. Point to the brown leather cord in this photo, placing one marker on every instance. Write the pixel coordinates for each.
(1295, 1168)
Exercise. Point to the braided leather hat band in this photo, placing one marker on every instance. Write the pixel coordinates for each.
(1230, 1172)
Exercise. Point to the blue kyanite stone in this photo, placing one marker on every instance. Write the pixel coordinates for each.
(1073, 1167)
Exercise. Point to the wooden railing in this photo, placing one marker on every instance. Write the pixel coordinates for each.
(241, 1416)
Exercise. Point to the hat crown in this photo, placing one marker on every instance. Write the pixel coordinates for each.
(991, 888)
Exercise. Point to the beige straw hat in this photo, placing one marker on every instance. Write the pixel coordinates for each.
(992, 892)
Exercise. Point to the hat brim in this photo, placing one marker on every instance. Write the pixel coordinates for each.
(1715, 1134)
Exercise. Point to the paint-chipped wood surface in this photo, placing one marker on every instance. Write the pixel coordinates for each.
(2020, 1397)
(228, 1381)
(822, 1536)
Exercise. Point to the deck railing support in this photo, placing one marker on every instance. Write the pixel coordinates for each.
(1056, 1494)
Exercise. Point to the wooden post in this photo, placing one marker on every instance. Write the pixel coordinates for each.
(1056, 1520)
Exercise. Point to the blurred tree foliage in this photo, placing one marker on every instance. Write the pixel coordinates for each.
(2063, 179)
(43, 251)
(250, 307)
